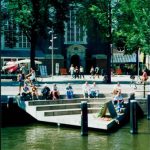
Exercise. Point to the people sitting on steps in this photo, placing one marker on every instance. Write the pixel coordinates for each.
(117, 98)
(30, 78)
(55, 92)
(34, 91)
(46, 92)
(26, 94)
(86, 90)
(69, 91)
(94, 91)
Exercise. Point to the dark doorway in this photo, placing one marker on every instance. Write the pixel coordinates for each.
(75, 60)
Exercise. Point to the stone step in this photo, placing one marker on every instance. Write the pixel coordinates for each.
(65, 101)
(69, 112)
(101, 95)
(66, 106)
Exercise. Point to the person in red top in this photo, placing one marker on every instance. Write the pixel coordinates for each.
(144, 76)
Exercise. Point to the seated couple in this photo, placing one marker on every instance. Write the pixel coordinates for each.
(50, 94)
(90, 91)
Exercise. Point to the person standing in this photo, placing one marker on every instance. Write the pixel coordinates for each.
(24, 70)
(21, 81)
(97, 71)
(81, 72)
(92, 72)
(76, 72)
(71, 70)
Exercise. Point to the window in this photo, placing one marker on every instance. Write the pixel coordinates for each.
(73, 32)
(11, 39)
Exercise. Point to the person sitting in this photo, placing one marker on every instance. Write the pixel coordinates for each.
(133, 82)
(117, 88)
(94, 92)
(144, 76)
(55, 92)
(34, 92)
(69, 91)
(118, 99)
(46, 93)
(86, 90)
(31, 76)
(26, 94)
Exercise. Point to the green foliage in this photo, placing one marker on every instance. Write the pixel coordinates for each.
(133, 23)
(129, 21)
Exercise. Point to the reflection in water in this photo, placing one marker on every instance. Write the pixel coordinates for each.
(46, 137)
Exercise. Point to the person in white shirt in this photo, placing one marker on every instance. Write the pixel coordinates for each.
(71, 70)
(94, 91)
(81, 71)
(86, 89)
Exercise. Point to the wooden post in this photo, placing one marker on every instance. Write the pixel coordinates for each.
(84, 118)
(144, 89)
(148, 107)
(133, 117)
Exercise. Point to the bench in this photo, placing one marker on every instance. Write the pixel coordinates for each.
(63, 71)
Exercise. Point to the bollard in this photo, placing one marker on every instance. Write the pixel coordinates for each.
(144, 89)
(133, 117)
(84, 118)
(10, 100)
(148, 106)
(131, 97)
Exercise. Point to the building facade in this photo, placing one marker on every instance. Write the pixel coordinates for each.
(74, 47)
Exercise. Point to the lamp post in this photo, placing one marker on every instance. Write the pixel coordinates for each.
(52, 48)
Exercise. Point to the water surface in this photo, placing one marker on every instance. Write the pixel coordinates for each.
(47, 137)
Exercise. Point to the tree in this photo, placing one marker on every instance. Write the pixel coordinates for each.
(33, 17)
(125, 23)
(133, 24)
(99, 11)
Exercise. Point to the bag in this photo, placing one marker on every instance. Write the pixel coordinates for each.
(145, 78)
(132, 77)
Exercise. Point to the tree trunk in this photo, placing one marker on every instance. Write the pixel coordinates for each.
(33, 49)
(109, 64)
(109, 43)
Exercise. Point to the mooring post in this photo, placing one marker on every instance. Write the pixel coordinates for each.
(144, 89)
(131, 97)
(84, 118)
(10, 100)
(133, 117)
(148, 106)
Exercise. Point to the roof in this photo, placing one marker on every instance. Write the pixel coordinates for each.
(122, 58)
(20, 54)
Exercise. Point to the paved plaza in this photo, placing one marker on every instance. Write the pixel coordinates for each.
(9, 87)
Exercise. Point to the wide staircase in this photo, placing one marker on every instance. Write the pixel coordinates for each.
(67, 112)
(44, 108)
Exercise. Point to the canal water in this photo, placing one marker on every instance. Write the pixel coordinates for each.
(48, 137)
